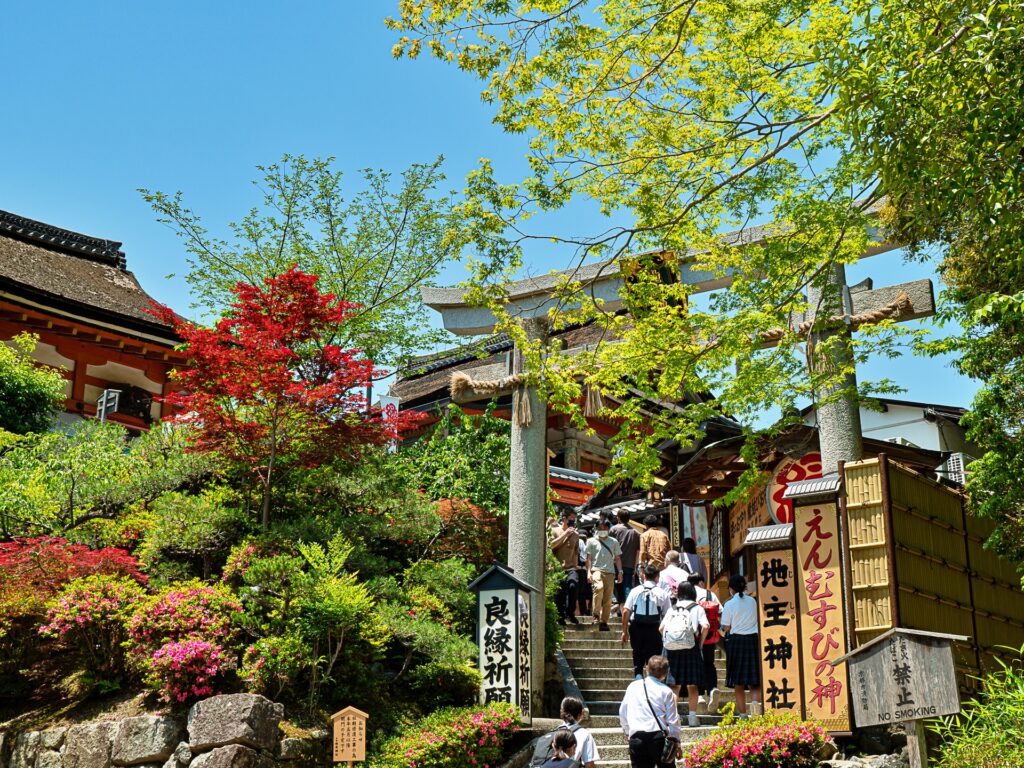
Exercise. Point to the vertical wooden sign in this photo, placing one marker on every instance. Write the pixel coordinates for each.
(779, 631)
(499, 646)
(822, 623)
(674, 536)
(349, 731)
(524, 656)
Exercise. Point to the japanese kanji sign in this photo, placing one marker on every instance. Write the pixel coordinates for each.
(524, 654)
(777, 614)
(746, 515)
(499, 646)
(349, 727)
(789, 470)
(822, 625)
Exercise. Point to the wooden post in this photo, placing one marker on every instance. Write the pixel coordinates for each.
(916, 744)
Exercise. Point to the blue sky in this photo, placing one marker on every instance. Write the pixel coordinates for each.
(106, 97)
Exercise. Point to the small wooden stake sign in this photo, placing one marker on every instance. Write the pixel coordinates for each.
(349, 726)
(904, 676)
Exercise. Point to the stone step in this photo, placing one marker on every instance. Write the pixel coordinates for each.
(610, 707)
(619, 750)
(614, 644)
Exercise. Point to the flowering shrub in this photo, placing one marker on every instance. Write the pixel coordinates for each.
(91, 614)
(272, 663)
(185, 610)
(452, 738)
(764, 742)
(184, 671)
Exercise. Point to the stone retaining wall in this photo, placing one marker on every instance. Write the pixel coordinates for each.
(233, 731)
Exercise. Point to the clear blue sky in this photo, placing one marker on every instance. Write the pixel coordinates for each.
(106, 97)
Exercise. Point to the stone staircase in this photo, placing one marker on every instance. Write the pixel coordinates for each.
(603, 668)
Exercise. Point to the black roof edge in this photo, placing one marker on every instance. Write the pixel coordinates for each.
(75, 243)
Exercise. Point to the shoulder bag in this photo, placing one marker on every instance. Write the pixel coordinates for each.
(671, 745)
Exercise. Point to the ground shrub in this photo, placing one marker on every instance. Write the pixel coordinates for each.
(273, 664)
(763, 742)
(452, 738)
(988, 731)
(438, 684)
(90, 616)
(187, 670)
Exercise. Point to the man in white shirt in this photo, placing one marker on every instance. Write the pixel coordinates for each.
(645, 608)
(672, 575)
(648, 712)
(586, 748)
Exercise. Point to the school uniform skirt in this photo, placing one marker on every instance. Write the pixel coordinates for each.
(686, 667)
(742, 661)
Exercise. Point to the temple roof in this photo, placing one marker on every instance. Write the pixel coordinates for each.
(74, 275)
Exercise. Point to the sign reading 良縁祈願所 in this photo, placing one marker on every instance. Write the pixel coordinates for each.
(349, 735)
(822, 624)
(779, 632)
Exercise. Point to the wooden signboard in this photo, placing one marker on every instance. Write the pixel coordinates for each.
(789, 470)
(779, 632)
(349, 726)
(822, 624)
(524, 655)
(904, 676)
(745, 515)
(499, 645)
(674, 537)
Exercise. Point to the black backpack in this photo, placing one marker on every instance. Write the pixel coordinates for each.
(544, 749)
(645, 609)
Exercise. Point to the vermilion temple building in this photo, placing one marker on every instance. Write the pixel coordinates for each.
(76, 294)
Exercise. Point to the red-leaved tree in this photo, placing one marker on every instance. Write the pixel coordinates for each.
(266, 387)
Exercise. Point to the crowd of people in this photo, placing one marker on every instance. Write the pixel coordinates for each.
(670, 618)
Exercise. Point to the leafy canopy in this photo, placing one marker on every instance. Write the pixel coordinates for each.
(31, 396)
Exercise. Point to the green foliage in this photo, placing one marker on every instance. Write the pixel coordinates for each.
(987, 732)
(273, 664)
(374, 249)
(31, 396)
(195, 529)
(55, 482)
(451, 738)
(437, 684)
(447, 579)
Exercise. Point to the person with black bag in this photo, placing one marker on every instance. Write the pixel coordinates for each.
(650, 718)
(585, 751)
(644, 610)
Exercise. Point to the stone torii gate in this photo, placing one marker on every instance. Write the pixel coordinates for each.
(530, 300)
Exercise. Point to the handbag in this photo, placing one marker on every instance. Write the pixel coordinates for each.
(670, 748)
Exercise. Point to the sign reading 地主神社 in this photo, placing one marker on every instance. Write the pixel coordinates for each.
(504, 638)
(822, 622)
(779, 638)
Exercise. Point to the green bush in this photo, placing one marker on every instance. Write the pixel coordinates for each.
(438, 684)
(988, 732)
(452, 738)
(774, 739)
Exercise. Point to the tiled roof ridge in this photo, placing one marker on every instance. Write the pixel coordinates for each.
(75, 243)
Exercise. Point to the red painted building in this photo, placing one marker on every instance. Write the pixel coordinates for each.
(76, 294)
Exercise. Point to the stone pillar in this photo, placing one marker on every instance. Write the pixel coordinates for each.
(527, 510)
(839, 430)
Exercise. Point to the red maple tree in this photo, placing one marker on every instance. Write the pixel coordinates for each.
(266, 387)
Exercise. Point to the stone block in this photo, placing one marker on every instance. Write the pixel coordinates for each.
(146, 739)
(49, 758)
(26, 747)
(52, 738)
(239, 718)
(88, 745)
(182, 756)
(232, 756)
(307, 750)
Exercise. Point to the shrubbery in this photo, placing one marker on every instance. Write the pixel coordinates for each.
(987, 732)
(186, 670)
(452, 738)
(768, 741)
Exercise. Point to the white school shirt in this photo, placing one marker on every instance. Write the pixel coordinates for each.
(698, 618)
(658, 595)
(635, 714)
(740, 614)
(706, 594)
(586, 747)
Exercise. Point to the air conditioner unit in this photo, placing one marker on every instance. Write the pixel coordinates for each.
(901, 441)
(955, 467)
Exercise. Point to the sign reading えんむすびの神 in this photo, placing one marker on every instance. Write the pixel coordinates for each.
(349, 735)
(822, 623)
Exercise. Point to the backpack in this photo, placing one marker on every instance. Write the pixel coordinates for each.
(645, 609)
(544, 749)
(679, 634)
(713, 609)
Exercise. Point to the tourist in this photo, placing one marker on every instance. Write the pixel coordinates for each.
(693, 562)
(742, 657)
(629, 543)
(686, 665)
(672, 575)
(571, 713)
(708, 600)
(642, 614)
(649, 715)
(653, 544)
(583, 588)
(604, 560)
(564, 745)
(564, 543)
